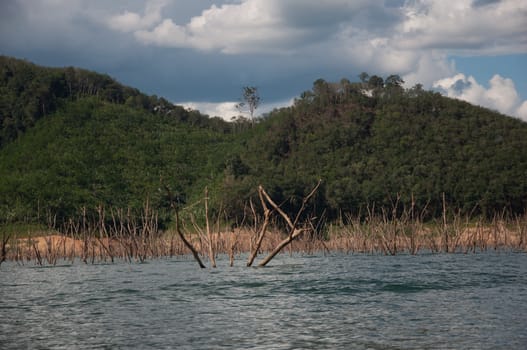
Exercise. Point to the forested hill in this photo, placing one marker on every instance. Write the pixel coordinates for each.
(398, 143)
(29, 92)
(73, 139)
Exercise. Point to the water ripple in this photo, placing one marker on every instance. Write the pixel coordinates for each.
(317, 302)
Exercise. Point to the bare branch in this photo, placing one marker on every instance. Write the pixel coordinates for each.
(294, 232)
(261, 233)
(180, 232)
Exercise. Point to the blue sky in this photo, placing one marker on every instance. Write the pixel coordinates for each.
(200, 53)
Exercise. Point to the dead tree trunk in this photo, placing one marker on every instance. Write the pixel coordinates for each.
(180, 232)
(280, 246)
(445, 225)
(209, 234)
(232, 247)
(294, 231)
(261, 232)
(3, 252)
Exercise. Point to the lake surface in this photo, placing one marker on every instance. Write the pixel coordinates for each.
(445, 301)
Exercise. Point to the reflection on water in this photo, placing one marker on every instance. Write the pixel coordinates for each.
(301, 302)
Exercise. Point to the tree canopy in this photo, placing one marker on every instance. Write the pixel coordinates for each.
(71, 138)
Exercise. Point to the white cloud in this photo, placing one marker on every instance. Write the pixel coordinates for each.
(501, 95)
(270, 26)
(231, 28)
(412, 38)
(276, 25)
(431, 66)
(432, 30)
(167, 33)
(131, 21)
(457, 25)
(224, 110)
(228, 110)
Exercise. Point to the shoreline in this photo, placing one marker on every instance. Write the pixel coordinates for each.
(48, 248)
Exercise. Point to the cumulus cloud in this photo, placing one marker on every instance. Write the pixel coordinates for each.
(132, 21)
(430, 67)
(412, 38)
(250, 26)
(464, 26)
(501, 95)
(271, 26)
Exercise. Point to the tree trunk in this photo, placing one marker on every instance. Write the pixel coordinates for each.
(209, 234)
(294, 231)
(5, 240)
(180, 233)
(263, 229)
(187, 243)
(280, 246)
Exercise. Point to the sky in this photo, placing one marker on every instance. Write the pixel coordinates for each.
(201, 53)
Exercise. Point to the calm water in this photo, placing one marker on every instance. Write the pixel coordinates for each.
(301, 302)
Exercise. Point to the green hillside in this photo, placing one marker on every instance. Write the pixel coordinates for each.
(92, 152)
(91, 148)
(72, 139)
(397, 143)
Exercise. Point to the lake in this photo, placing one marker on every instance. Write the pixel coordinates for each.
(337, 301)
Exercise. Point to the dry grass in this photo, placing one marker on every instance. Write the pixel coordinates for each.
(137, 238)
(51, 248)
(384, 237)
(413, 238)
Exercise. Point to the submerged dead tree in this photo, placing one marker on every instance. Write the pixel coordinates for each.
(261, 231)
(3, 248)
(269, 206)
(179, 231)
(206, 236)
(209, 234)
(293, 225)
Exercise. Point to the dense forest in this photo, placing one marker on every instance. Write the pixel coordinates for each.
(73, 140)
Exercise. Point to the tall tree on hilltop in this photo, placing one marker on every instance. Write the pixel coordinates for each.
(250, 100)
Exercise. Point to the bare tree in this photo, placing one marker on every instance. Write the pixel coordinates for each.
(294, 230)
(179, 231)
(250, 100)
(261, 232)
